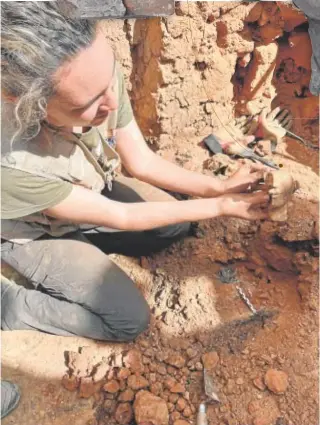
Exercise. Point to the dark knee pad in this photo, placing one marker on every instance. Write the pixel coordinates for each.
(135, 325)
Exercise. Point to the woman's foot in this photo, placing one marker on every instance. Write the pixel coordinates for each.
(10, 397)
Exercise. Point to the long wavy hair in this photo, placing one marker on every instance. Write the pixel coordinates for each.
(37, 37)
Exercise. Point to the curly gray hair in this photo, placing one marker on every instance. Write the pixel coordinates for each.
(36, 38)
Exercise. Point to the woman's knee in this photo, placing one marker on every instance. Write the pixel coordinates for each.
(131, 325)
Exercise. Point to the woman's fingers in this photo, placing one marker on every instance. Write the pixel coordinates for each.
(259, 198)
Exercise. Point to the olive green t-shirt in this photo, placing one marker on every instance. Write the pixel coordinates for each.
(23, 193)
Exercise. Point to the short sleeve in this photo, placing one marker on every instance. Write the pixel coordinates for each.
(125, 113)
(23, 193)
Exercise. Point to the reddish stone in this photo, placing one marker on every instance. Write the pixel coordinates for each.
(187, 412)
(276, 381)
(191, 353)
(210, 360)
(152, 377)
(176, 360)
(181, 404)
(156, 388)
(175, 416)
(127, 395)
(150, 409)
(178, 388)
(169, 382)
(137, 382)
(112, 386)
(122, 385)
(173, 398)
(258, 383)
(170, 407)
(123, 373)
(133, 361)
(161, 370)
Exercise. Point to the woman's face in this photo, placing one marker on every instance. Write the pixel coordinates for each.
(85, 86)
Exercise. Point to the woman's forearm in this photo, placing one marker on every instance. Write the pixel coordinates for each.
(169, 176)
(87, 207)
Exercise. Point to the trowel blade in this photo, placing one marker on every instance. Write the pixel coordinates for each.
(209, 386)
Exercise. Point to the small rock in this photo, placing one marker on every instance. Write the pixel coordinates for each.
(173, 398)
(169, 382)
(240, 381)
(185, 371)
(161, 370)
(187, 412)
(181, 404)
(178, 388)
(176, 360)
(156, 388)
(210, 360)
(258, 383)
(87, 388)
(137, 382)
(152, 377)
(122, 385)
(150, 409)
(170, 407)
(124, 413)
(111, 387)
(153, 367)
(133, 360)
(191, 353)
(253, 406)
(198, 366)
(175, 416)
(127, 395)
(171, 370)
(123, 373)
(146, 360)
(144, 343)
(276, 381)
(70, 383)
(180, 422)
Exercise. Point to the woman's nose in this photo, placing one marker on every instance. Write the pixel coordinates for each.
(110, 101)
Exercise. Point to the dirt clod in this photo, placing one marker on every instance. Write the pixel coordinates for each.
(137, 382)
(276, 381)
(150, 409)
(112, 386)
(126, 395)
(259, 383)
(178, 388)
(176, 360)
(133, 361)
(210, 360)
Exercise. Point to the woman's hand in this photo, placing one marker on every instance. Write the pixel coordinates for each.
(250, 206)
(245, 179)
